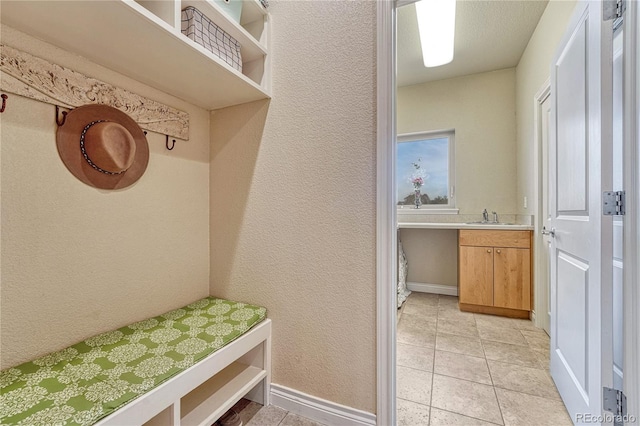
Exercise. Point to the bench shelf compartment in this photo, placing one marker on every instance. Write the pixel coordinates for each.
(213, 398)
(205, 391)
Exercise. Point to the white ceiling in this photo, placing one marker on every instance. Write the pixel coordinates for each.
(490, 35)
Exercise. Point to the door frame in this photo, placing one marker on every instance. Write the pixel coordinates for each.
(386, 231)
(631, 272)
(543, 93)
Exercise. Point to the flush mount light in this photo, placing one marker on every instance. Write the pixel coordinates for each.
(437, 27)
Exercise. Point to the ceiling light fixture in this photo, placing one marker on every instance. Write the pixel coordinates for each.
(437, 27)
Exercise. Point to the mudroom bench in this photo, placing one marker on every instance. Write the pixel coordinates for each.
(185, 367)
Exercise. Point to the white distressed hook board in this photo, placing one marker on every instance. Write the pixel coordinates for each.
(32, 77)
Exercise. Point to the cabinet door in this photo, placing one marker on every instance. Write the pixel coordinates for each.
(512, 278)
(476, 275)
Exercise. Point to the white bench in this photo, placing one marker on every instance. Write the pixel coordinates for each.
(185, 367)
(202, 393)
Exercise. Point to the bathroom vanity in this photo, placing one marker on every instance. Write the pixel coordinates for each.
(493, 261)
(494, 272)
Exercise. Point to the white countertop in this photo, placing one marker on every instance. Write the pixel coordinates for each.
(458, 225)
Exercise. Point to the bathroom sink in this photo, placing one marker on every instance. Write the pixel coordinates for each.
(489, 223)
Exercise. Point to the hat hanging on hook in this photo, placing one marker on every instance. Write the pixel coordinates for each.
(102, 146)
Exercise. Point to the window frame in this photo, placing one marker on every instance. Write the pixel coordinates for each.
(450, 207)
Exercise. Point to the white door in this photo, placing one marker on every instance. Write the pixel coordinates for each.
(581, 320)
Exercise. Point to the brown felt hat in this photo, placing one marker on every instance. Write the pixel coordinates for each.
(103, 146)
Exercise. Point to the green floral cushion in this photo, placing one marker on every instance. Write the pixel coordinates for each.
(88, 381)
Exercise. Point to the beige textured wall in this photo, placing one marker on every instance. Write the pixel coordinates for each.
(432, 255)
(293, 200)
(482, 110)
(76, 260)
(531, 73)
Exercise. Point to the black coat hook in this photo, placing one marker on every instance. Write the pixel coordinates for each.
(167, 143)
(4, 102)
(60, 122)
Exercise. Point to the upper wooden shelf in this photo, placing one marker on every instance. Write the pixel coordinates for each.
(128, 38)
(251, 48)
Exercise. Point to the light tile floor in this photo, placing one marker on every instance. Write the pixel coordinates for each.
(461, 368)
(458, 368)
(253, 414)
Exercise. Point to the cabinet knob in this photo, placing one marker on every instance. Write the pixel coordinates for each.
(488, 251)
(498, 251)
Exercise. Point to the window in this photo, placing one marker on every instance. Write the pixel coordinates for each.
(425, 163)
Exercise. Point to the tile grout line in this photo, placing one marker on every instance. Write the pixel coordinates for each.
(414, 368)
(486, 361)
(464, 415)
(493, 386)
(496, 395)
(413, 402)
(513, 363)
(434, 361)
(528, 394)
(414, 345)
(285, 416)
(458, 353)
(464, 380)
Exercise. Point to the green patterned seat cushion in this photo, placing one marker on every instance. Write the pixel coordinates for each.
(88, 381)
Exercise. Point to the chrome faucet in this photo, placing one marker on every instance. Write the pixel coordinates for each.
(495, 217)
(485, 216)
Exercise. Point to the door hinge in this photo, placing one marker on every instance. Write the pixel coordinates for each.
(613, 203)
(613, 9)
(615, 401)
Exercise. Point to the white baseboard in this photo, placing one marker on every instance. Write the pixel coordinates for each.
(448, 290)
(318, 409)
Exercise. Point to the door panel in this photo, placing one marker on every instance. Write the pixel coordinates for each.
(579, 147)
(571, 75)
(571, 317)
(512, 278)
(476, 275)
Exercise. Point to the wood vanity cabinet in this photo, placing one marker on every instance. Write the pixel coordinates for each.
(495, 272)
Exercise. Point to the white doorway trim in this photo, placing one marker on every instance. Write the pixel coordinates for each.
(386, 232)
(543, 93)
(631, 273)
